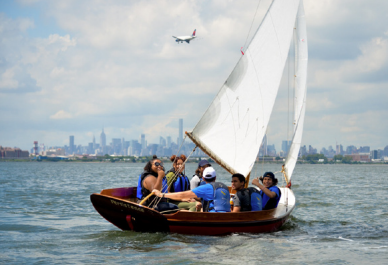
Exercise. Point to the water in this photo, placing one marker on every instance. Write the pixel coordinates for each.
(47, 218)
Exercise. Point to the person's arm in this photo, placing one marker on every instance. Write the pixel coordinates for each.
(178, 196)
(236, 204)
(267, 192)
(194, 182)
(236, 209)
(151, 184)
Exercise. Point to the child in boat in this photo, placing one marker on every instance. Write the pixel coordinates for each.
(269, 191)
(215, 195)
(153, 178)
(197, 178)
(245, 199)
(177, 181)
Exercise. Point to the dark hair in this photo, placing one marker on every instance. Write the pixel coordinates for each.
(270, 175)
(174, 159)
(148, 166)
(240, 177)
(210, 180)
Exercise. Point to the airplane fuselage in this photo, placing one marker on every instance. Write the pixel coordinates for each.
(185, 38)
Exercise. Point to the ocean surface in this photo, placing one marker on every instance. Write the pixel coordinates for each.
(46, 217)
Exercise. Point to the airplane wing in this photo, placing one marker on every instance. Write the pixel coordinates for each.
(175, 37)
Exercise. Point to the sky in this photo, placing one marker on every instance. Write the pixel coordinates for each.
(75, 67)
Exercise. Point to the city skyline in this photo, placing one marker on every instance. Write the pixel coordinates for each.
(141, 147)
(67, 72)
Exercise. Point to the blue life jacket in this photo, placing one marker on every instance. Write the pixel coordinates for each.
(142, 192)
(221, 201)
(250, 199)
(256, 199)
(181, 183)
(271, 203)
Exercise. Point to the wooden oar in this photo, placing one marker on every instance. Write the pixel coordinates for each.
(146, 198)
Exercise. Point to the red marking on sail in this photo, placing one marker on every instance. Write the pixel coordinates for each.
(242, 51)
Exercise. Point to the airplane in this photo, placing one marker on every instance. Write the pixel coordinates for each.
(185, 38)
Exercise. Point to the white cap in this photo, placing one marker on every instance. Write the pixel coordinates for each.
(209, 173)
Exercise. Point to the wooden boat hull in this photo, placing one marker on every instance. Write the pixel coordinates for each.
(118, 207)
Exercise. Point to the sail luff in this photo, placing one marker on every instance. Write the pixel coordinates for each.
(301, 58)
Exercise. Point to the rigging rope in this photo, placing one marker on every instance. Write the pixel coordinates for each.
(249, 32)
(156, 200)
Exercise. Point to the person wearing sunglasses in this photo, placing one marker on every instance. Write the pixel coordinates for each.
(153, 178)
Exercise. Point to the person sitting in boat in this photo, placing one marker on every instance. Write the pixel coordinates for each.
(215, 195)
(245, 199)
(177, 181)
(197, 178)
(269, 191)
(153, 178)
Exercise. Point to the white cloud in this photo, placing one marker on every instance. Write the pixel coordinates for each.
(60, 115)
(118, 66)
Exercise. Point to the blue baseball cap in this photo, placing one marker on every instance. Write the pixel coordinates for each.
(203, 162)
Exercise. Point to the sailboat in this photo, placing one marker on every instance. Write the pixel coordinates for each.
(231, 132)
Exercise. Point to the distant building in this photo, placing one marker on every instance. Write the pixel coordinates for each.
(103, 142)
(35, 150)
(312, 150)
(364, 149)
(94, 144)
(71, 144)
(286, 147)
(351, 149)
(162, 142)
(271, 150)
(339, 149)
(361, 157)
(54, 152)
(143, 141)
(8, 152)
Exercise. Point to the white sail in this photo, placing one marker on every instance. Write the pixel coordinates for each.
(232, 128)
(301, 58)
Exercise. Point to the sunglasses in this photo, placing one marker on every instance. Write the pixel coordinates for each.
(158, 164)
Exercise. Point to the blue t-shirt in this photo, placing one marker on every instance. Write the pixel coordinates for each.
(266, 198)
(206, 192)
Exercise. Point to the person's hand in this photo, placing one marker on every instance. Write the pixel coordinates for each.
(198, 206)
(161, 171)
(256, 182)
(157, 193)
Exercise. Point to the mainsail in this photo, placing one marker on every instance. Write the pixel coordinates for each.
(301, 57)
(232, 128)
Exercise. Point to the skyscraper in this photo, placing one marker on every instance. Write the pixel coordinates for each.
(286, 146)
(143, 141)
(168, 141)
(71, 144)
(180, 139)
(103, 141)
(94, 143)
